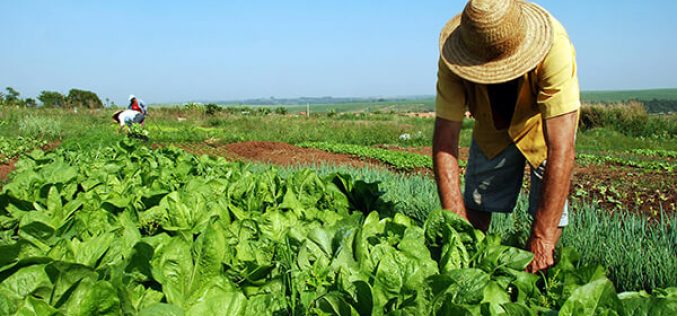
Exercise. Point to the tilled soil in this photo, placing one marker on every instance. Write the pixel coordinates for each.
(278, 153)
(7, 167)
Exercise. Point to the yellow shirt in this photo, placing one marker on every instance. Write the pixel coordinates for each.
(551, 89)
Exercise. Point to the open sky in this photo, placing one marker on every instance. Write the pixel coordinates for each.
(175, 51)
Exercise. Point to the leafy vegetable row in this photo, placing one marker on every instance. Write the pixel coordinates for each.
(642, 164)
(12, 147)
(398, 159)
(655, 152)
(135, 231)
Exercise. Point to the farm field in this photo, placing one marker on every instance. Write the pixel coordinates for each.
(328, 214)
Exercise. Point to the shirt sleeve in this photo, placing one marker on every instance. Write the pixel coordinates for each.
(558, 92)
(450, 99)
(144, 110)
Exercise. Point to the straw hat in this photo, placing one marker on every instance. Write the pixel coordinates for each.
(116, 116)
(495, 41)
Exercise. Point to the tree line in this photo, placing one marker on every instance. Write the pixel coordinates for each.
(76, 98)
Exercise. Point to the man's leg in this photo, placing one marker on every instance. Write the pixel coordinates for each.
(492, 185)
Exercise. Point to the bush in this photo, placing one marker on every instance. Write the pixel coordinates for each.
(84, 99)
(629, 118)
(211, 109)
(52, 99)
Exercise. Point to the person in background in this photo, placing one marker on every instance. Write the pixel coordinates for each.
(137, 105)
(512, 65)
(127, 118)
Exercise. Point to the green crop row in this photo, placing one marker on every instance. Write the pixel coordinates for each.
(398, 159)
(642, 164)
(12, 147)
(655, 153)
(131, 230)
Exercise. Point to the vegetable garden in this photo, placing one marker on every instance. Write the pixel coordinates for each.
(103, 226)
(127, 229)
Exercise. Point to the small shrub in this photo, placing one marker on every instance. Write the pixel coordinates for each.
(631, 119)
(262, 111)
(211, 109)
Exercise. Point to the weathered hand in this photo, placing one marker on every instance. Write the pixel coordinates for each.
(543, 251)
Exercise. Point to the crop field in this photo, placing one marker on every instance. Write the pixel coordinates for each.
(333, 214)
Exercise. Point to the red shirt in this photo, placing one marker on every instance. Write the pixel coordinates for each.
(135, 106)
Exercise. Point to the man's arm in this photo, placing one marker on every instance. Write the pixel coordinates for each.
(560, 132)
(445, 165)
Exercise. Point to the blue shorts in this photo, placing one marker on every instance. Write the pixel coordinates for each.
(493, 185)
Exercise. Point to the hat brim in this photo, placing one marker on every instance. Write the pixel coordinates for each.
(531, 51)
(116, 115)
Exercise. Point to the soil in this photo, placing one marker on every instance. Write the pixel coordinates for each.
(8, 167)
(277, 153)
(626, 188)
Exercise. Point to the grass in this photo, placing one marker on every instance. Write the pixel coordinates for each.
(40, 127)
(638, 254)
(294, 130)
(607, 139)
(624, 95)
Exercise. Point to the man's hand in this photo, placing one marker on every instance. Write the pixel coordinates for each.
(544, 252)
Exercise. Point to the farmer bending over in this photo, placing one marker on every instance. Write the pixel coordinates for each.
(511, 64)
(127, 117)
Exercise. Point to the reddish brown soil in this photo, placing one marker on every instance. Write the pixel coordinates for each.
(278, 153)
(623, 188)
(8, 167)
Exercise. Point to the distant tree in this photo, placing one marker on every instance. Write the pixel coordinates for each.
(52, 99)
(83, 98)
(30, 102)
(11, 97)
(263, 111)
(281, 110)
(211, 109)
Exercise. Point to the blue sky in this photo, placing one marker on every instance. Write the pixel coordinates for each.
(166, 51)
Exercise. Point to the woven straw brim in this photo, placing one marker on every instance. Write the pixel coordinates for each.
(531, 51)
